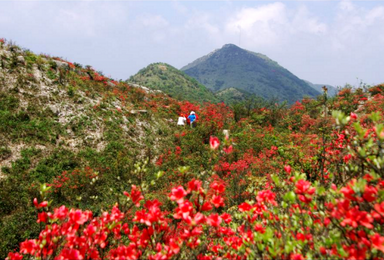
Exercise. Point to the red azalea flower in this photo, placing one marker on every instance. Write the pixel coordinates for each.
(287, 169)
(370, 193)
(243, 207)
(266, 196)
(29, 247)
(226, 217)
(194, 185)
(206, 206)
(174, 247)
(214, 220)
(70, 254)
(217, 187)
(60, 213)
(259, 228)
(135, 195)
(378, 242)
(42, 217)
(184, 210)
(178, 194)
(78, 217)
(41, 205)
(217, 201)
(214, 142)
(297, 257)
(228, 150)
(14, 256)
(304, 190)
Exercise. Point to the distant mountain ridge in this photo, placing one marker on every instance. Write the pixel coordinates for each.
(233, 67)
(176, 83)
(332, 91)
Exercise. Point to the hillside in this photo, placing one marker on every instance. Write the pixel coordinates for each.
(92, 168)
(233, 67)
(164, 77)
(58, 118)
(234, 95)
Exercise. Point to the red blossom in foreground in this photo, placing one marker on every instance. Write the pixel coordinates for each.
(378, 242)
(266, 196)
(287, 169)
(206, 206)
(217, 201)
(69, 254)
(194, 185)
(41, 205)
(178, 194)
(214, 142)
(297, 257)
(135, 195)
(304, 190)
(217, 187)
(370, 193)
(228, 150)
(29, 247)
(226, 217)
(245, 207)
(214, 220)
(79, 217)
(42, 217)
(14, 256)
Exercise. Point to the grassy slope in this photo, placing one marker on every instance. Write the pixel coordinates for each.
(233, 95)
(58, 117)
(173, 82)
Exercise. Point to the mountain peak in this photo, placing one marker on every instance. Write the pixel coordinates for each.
(230, 45)
(234, 67)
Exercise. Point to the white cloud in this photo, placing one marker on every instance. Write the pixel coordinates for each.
(152, 21)
(261, 25)
(306, 22)
(201, 21)
(273, 24)
(356, 28)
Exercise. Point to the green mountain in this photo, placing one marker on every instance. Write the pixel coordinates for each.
(233, 67)
(177, 84)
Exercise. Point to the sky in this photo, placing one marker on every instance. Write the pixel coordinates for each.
(334, 42)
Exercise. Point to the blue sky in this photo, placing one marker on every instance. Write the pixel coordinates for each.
(328, 42)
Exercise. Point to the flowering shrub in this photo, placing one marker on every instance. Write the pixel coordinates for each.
(279, 183)
(293, 218)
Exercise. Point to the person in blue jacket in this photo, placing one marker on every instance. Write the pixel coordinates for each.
(192, 118)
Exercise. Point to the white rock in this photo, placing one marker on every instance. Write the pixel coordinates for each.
(5, 53)
(36, 72)
(20, 59)
(61, 64)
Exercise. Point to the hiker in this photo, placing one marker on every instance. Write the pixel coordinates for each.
(192, 119)
(182, 120)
